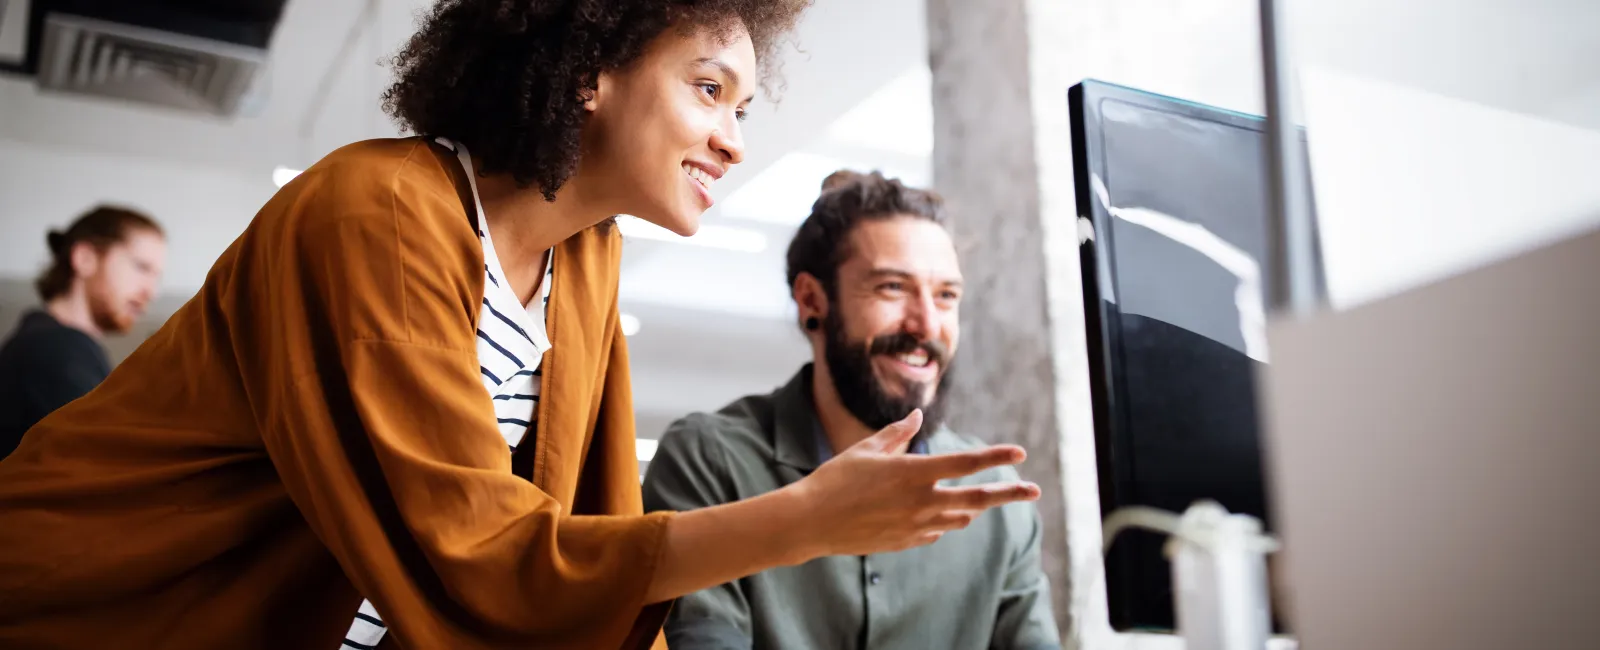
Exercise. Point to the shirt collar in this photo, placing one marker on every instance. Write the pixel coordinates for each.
(800, 441)
(37, 317)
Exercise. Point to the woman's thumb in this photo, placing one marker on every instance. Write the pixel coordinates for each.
(896, 437)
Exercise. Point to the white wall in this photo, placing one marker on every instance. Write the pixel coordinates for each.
(1414, 187)
(48, 187)
(44, 188)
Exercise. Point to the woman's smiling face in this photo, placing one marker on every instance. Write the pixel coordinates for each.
(664, 129)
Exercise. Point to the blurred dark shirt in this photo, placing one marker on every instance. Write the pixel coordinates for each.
(44, 365)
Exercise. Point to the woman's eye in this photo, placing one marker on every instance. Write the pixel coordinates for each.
(711, 90)
(739, 115)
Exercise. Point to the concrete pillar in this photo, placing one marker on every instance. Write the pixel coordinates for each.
(1002, 158)
(1007, 387)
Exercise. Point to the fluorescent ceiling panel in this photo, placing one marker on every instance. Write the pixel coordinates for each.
(783, 193)
(709, 281)
(892, 126)
(729, 238)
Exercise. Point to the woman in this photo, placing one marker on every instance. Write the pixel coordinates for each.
(370, 398)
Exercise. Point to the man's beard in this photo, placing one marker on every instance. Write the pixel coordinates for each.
(861, 391)
(107, 315)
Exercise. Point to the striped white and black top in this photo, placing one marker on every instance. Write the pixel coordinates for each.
(512, 341)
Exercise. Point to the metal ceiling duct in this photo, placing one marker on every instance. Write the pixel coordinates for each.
(190, 55)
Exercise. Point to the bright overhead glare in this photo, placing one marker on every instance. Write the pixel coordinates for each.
(729, 238)
(784, 191)
(647, 449)
(282, 175)
(630, 324)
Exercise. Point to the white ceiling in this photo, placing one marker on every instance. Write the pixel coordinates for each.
(1535, 57)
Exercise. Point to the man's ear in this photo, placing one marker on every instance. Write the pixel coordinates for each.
(810, 298)
(85, 259)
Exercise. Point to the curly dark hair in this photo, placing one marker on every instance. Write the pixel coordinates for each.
(849, 198)
(508, 78)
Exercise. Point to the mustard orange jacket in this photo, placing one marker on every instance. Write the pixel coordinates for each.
(311, 429)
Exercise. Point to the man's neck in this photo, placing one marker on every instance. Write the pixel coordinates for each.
(72, 310)
(841, 426)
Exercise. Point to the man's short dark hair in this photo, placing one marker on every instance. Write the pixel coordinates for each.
(849, 198)
(508, 78)
(102, 228)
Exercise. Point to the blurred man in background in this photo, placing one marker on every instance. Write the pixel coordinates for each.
(103, 272)
(877, 284)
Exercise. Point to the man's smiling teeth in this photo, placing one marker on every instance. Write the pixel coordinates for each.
(916, 359)
(699, 175)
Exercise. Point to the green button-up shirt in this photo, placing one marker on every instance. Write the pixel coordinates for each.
(977, 588)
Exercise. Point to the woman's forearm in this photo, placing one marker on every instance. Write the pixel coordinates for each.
(711, 546)
(873, 498)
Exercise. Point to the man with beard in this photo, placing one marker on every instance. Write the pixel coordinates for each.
(103, 272)
(877, 284)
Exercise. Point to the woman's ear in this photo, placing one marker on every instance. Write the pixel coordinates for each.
(593, 96)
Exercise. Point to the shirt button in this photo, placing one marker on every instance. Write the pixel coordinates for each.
(875, 578)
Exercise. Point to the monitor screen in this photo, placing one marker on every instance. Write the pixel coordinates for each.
(1173, 199)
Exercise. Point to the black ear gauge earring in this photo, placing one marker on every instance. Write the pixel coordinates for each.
(812, 323)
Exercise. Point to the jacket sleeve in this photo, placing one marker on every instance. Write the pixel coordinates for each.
(384, 436)
(614, 460)
(689, 471)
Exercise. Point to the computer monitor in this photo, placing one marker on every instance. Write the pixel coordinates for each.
(1173, 223)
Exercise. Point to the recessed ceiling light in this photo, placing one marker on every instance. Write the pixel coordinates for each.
(630, 324)
(729, 238)
(646, 448)
(784, 191)
(282, 175)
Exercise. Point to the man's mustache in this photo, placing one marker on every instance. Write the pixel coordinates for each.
(902, 343)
